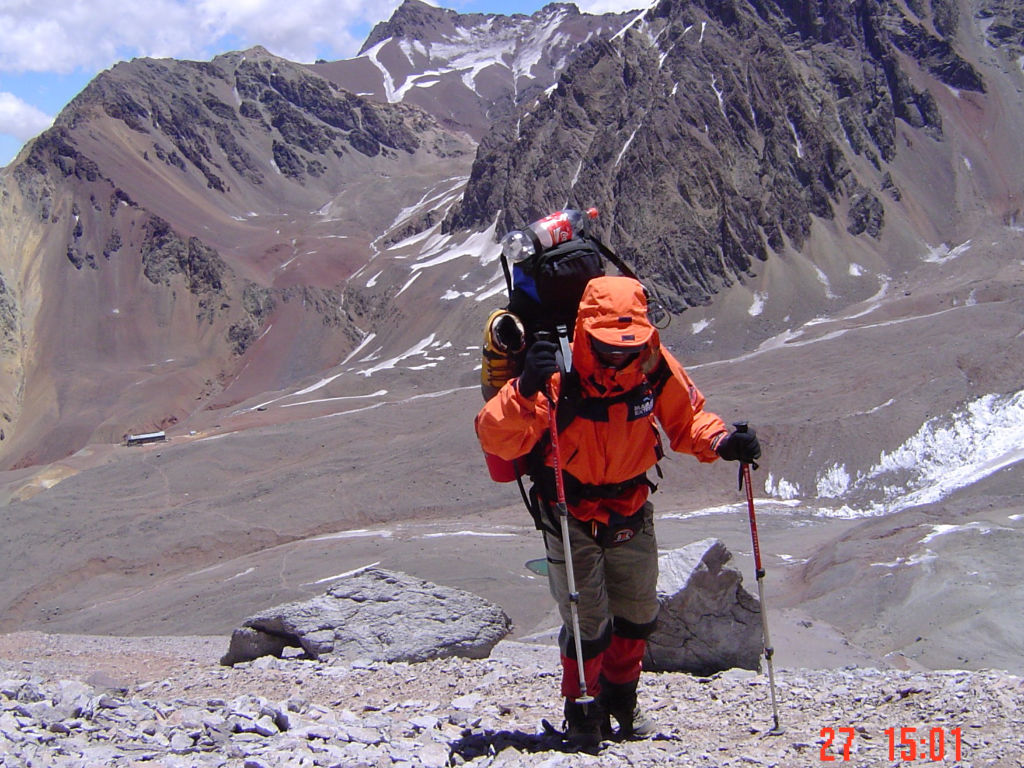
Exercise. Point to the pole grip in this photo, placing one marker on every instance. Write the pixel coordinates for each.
(745, 469)
(556, 453)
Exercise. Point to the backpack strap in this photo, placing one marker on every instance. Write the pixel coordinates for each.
(613, 257)
(576, 491)
(572, 404)
(508, 273)
(656, 311)
(659, 375)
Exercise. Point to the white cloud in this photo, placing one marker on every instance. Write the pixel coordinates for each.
(21, 120)
(60, 37)
(615, 6)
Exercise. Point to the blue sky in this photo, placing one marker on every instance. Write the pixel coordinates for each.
(49, 50)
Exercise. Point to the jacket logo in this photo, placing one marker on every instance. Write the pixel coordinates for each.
(642, 407)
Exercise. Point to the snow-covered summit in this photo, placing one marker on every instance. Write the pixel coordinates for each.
(468, 69)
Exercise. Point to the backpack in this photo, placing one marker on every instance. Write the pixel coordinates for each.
(549, 285)
(552, 261)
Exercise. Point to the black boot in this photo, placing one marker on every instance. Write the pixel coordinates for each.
(619, 700)
(586, 724)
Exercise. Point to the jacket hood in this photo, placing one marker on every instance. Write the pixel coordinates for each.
(613, 310)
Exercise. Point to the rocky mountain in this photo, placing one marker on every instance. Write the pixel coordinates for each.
(174, 213)
(180, 210)
(715, 136)
(471, 71)
(287, 267)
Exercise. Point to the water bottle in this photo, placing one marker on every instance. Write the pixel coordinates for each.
(554, 229)
(562, 226)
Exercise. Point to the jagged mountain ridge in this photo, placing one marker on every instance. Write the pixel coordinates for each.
(193, 198)
(470, 71)
(715, 134)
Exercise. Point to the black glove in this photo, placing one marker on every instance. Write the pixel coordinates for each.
(740, 446)
(541, 362)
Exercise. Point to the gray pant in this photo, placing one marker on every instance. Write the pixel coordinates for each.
(617, 582)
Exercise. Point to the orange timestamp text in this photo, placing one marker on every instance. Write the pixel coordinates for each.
(910, 744)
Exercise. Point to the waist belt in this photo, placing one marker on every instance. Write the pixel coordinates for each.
(576, 491)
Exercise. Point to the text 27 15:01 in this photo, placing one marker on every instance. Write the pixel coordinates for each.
(933, 747)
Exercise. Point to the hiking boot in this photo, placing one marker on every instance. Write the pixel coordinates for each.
(586, 725)
(619, 700)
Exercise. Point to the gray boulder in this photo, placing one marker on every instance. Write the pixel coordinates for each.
(377, 615)
(708, 621)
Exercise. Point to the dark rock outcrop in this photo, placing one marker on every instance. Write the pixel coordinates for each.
(164, 254)
(712, 134)
(1004, 25)
(9, 330)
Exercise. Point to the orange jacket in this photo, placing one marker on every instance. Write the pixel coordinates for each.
(596, 451)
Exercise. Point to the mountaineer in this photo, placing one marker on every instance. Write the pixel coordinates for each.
(621, 385)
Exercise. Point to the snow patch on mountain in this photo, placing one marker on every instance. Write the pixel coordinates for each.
(946, 454)
(441, 249)
(519, 47)
(757, 307)
(636, 20)
(781, 488)
(834, 482)
(943, 530)
(823, 279)
(530, 54)
(952, 452)
(917, 558)
(625, 146)
(943, 253)
(421, 349)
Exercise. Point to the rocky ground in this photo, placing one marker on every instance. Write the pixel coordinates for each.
(90, 701)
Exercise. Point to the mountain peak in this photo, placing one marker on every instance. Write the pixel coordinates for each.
(417, 20)
(411, 19)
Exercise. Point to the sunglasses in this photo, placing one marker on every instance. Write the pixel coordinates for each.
(611, 356)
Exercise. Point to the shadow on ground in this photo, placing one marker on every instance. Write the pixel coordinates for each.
(474, 744)
(479, 743)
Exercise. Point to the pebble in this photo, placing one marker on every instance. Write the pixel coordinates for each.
(487, 714)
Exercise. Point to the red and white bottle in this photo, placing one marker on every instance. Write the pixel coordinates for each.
(562, 226)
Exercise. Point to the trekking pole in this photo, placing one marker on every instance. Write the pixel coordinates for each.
(768, 650)
(563, 516)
